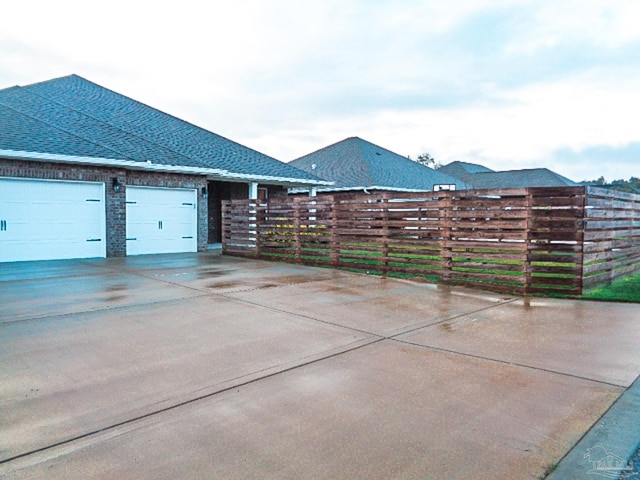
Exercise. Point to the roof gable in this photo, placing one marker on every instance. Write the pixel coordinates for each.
(356, 163)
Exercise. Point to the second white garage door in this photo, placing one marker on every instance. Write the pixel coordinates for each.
(161, 220)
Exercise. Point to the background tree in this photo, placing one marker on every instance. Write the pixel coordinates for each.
(427, 160)
(630, 186)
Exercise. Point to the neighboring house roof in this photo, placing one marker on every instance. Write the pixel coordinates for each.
(73, 119)
(462, 170)
(533, 177)
(355, 164)
(480, 177)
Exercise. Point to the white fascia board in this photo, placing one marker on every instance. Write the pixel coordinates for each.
(273, 180)
(213, 173)
(348, 189)
(107, 162)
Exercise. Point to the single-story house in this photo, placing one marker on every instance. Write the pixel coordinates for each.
(481, 177)
(87, 172)
(357, 165)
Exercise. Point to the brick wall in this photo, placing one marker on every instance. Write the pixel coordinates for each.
(115, 202)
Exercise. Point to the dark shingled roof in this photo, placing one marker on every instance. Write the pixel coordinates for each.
(73, 116)
(533, 177)
(463, 170)
(19, 132)
(356, 163)
(480, 177)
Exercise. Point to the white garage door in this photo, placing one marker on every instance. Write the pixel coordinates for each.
(45, 220)
(161, 220)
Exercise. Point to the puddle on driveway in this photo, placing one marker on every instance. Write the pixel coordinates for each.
(344, 291)
(115, 292)
(115, 298)
(225, 285)
(295, 279)
(459, 323)
(116, 288)
(211, 273)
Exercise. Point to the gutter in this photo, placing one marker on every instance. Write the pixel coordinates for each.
(213, 173)
(284, 180)
(365, 189)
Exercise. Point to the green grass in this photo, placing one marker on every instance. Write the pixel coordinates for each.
(622, 290)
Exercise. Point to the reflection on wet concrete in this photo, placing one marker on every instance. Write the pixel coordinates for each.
(211, 273)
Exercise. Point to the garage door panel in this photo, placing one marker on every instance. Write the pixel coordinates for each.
(51, 220)
(161, 220)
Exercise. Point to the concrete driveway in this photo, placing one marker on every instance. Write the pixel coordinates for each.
(203, 366)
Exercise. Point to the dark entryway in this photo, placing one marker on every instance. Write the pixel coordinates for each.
(219, 191)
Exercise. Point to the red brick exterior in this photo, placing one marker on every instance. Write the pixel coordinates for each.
(115, 202)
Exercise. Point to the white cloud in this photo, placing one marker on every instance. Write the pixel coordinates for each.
(599, 22)
(524, 130)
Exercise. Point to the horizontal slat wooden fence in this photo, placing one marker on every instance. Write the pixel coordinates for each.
(612, 236)
(522, 241)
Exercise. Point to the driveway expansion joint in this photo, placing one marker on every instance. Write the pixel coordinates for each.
(130, 421)
(96, 310)
(510, 363)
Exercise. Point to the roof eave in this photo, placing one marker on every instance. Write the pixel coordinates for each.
(347, 189)
(107, 162)
(274, 180)
(212, 173)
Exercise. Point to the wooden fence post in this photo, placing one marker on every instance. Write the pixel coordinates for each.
(581, 236)
(335, 244)
(446, 250)
(528, 263)
(297, 229)
(252, 211)
(385, 235)
(260, 218)
(225, 205)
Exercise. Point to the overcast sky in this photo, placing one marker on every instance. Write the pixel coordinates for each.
(505, 83)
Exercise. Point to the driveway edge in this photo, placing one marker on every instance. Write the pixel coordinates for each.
(616, 435)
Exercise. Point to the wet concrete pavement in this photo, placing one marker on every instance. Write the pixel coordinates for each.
(202, 366)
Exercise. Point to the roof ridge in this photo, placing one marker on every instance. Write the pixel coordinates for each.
(367, 161)
(50, 80)
(517, 170)
(326, 147)
(74, 134)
